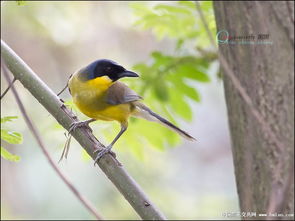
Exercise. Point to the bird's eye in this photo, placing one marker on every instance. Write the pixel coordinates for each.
(108, 68)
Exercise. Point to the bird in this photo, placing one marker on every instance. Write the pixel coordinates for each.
(98, 93)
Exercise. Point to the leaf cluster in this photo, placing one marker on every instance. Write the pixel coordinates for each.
(169, 82)
(11, 137)
(177, 20)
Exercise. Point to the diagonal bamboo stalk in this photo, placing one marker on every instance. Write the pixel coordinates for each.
(109, 165)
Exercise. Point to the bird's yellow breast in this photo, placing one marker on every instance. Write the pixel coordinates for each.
(90, 97)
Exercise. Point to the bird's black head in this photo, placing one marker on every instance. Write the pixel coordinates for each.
(104, 67)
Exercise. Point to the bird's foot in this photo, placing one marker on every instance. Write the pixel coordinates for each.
(76, 125)
(102, 152)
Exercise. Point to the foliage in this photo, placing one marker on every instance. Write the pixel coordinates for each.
(21, 2)
(11, 137)
(177, 20)
(168, 82)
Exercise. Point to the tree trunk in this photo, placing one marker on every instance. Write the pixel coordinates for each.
(266, 71)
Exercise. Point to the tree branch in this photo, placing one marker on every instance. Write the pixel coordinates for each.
(37, 136)
(109, 165)
(7, 89)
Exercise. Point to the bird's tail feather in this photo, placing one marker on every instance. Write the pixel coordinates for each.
(143, 111)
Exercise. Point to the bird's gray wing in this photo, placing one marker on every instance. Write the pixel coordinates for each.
(120, 93)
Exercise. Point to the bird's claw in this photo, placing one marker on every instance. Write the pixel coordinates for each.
(76, 125)
(102, 152)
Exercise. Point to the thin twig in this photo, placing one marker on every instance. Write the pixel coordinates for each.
(7, 89)
(66, 148)
(37, 136)
(62, 90)
(262, 122)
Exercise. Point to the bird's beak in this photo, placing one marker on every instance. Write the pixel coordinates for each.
(128, 74)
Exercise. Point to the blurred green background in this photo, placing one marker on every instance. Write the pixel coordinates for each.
(167, 45)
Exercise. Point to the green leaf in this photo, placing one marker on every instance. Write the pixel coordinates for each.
(161, 59)
(188, 91)
(188, 4)
(172, 9)
(182, 86)
(9, 156)
(140, 8)
(179, 43)
(11, 136)
(21, 2)
(161, 91)
(144, 71)
(193, 72)
(141, 67)
(200, 76)
(150, 132)
(171, 137)
(179, 105)
(8, 118)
